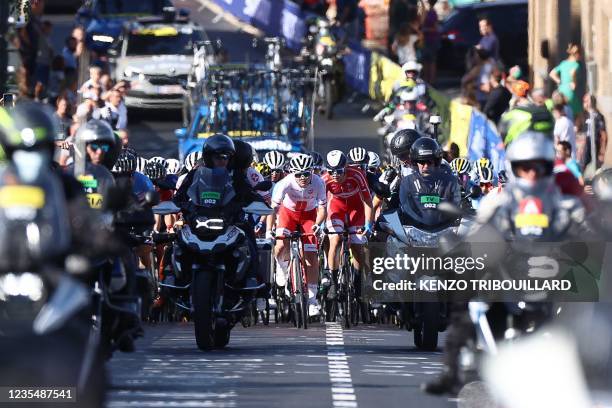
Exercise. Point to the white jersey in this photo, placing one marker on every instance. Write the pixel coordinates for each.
(288, 193)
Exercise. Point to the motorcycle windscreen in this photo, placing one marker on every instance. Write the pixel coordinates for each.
(211, 188)
(421, 204)
(34, 222)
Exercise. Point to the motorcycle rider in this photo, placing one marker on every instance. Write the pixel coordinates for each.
(532, 188)
(216, 153)
(429, 178)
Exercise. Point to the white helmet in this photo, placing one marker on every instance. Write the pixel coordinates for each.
(373, 159)
(141, 164)
(300, 162)
(411, 66)
(191, 159)
(336, 160)
(173, 166)
(275, 160)
(358, 155)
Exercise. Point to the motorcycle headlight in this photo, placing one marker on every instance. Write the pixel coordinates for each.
(26, 284)
(209, 224)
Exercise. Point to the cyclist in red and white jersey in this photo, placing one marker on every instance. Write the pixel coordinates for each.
(350, 206)
(299, 202)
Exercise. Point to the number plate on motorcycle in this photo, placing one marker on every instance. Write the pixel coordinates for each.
(22, 196)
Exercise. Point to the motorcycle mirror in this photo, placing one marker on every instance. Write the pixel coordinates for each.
(152, 198)
(166, 208)
(475, 192)
(263, 186)
(450, 209)
(435, 120)
(257, 208)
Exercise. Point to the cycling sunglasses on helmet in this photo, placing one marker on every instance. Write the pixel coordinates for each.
(303, 174)
(99, 146)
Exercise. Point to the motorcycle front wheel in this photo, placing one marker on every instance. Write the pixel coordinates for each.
(203, 317)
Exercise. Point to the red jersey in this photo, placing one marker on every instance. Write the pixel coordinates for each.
(354, 186)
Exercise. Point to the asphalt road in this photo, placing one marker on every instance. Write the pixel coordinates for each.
(277, 365)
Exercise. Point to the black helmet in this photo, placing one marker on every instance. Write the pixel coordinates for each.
(217, 144)
(126, 162)
(28, 126)
(155, 170)
(317, 159)
(243, 157)
(426, 148)
(403, 140)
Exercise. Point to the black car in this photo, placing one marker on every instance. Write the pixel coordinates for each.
(460, 32)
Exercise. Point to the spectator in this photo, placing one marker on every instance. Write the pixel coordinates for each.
(564, 155)
(114, 111)
(346, 17)
(429, 53)
(69, 53)
(63, 114)
(452, 152)
(489, 41)
(79, 34)
(520, 90)
(90, 105)
(601, 135)
(564, 128)
(498, 99)
(400, 12)
(56, 78)
(44, 54)
(538, 97)
(480, 75)
(95, 73)
(124, 136)
(405, 44)
(564, 76)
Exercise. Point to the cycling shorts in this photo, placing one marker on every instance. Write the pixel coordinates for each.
(290, 221)
(340, 211)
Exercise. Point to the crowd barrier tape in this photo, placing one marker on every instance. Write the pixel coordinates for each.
(373, 74)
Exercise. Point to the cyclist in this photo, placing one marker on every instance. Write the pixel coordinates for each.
(190, 162)
(317, 163)
(349, 207)
(299, 200)
(358, 157)
(275, 161)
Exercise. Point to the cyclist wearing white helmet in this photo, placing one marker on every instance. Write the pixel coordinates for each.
(190, 162)
(299, 202)
(173, 166)
(358, 157)
(276, 162)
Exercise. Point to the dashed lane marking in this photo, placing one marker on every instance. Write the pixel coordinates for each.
(343, 393)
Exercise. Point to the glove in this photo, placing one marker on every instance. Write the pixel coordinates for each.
(389, 175)
(368, 227)
(317, 229)
(258, 227)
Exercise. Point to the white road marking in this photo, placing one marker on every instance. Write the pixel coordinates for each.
(343, 393)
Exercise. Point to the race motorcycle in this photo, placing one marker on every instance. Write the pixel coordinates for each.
(322, 52)
(45, 304)
(426, 314)
(405, 111)
(213, 256)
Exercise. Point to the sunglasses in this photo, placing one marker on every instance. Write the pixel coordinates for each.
(539, 168)
(277, 171)
(98, 146)
(424, 162)
(303, 174)
(336, 172)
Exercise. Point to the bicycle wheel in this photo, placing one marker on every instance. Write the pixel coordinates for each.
(347, 301)
(296, 293)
